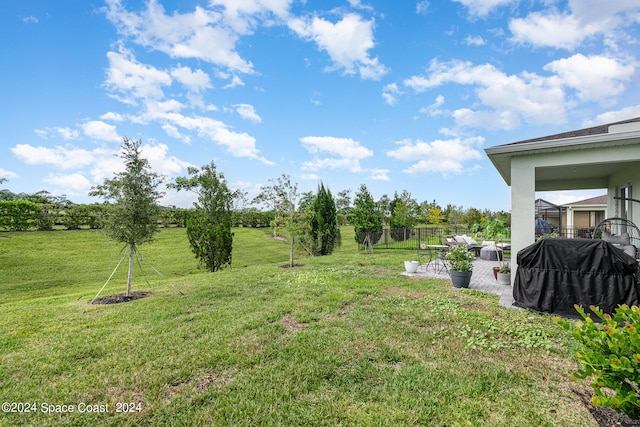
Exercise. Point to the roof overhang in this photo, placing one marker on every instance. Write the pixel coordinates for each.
(581, 174)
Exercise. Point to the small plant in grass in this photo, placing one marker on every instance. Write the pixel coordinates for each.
(610, 355)
(460, 258)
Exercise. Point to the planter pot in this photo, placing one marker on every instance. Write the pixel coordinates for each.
(495, 272)
(411, 266)
(504, 279)
(460, 279)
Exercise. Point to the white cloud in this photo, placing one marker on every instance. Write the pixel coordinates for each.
(474, 41)
(7, 174)
(237, 144)
(247, 111)
(201, 34)
(100, 163)
(379, 174)
(97, 129)
(482, 8)
(594, 77)
(67, 157)
(195, 81)
(74, 183)
(173, 132)
(551, 29)
(583, 19)
(614, 116)
(390, 93)
(134, 80)
(113, 117)
(160, 162)
(243, 15)
(509, 98)
(439, 156)
(65, 132)
(422, 7)
(347, 42)
(434, 109)
(345, 153)
(30, 20)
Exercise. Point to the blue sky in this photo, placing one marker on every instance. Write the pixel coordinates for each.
(395, 95)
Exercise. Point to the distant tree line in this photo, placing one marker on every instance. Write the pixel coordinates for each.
(43, 211)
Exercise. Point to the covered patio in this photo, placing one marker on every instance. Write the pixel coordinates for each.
(600, 157)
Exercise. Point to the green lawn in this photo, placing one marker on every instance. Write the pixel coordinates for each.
(344, 340)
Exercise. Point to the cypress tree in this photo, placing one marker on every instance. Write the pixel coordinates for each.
(324, 223)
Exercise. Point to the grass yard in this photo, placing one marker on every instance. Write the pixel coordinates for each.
(344, 340)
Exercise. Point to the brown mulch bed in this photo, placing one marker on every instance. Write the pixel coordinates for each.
(117, 299)
(605, 417)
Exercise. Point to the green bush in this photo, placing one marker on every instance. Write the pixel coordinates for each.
(19, 215)
(610, 355)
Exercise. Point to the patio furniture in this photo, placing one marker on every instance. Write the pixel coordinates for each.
(555, 274)
(620, 232)
(465, 240)
(435, 255)
(491, 253)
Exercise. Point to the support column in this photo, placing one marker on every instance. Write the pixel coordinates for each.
(523, 193)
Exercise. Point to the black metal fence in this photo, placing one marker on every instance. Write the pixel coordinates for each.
(410, 238)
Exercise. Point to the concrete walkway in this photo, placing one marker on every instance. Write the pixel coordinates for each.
(481, 280)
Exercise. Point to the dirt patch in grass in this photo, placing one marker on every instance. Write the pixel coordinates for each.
(119, 298)
(605, 417)
(290, 322)
(289, 265)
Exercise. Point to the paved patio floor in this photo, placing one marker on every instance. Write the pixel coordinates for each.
(482, 279)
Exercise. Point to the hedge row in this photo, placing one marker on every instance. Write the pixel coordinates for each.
(23, 215)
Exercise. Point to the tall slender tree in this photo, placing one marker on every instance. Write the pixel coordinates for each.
(324, 223)
(209, 226)
(134, 216)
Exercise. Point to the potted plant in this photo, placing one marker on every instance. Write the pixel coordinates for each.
(460, 266)
(503, 275)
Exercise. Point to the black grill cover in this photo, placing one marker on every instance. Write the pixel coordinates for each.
(555, 274)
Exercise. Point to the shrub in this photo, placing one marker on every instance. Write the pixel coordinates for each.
(19, 215)
(460, 258)
(610, 354)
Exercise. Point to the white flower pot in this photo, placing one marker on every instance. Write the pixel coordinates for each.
(411, 266)
(504, 279)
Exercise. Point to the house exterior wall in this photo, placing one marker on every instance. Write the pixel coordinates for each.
(581, 219)
(626, 176)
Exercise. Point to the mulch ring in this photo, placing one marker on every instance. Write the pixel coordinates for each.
(117, 299)
(289, 265)
(605, 417)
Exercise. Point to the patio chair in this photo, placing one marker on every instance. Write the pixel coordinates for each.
(620, 232)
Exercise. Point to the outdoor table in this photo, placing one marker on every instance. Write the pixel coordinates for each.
(433, 253)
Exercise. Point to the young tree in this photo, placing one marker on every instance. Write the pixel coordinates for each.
(324, 222)
(283, 196)
(403, 215)
(209, 226)
(366, 218)
(134, 217)
(343, 204)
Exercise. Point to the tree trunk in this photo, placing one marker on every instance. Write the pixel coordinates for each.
(291, 251)
(132, 250)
